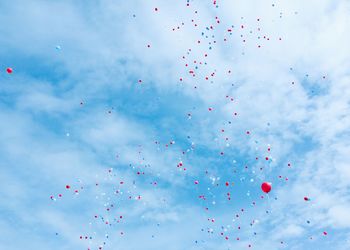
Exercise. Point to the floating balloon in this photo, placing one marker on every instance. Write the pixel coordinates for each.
(266, 187)
(9, 70)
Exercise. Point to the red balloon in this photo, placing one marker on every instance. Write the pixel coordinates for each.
(9, 70)
(266, 187)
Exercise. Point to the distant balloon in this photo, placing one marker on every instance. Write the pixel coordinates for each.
(9, 70)
(266, 187)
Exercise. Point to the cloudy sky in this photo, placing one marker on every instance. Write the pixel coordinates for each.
(152, 124)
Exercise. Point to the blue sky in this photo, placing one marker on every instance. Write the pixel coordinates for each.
(143, 109)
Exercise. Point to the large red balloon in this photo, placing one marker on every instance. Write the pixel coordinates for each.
(9, 70)
(266, 187)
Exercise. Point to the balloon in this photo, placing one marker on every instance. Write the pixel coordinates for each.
(266, 187)
(9, 70)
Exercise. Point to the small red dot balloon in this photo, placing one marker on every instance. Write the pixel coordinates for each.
(9, 70)
(266, 187)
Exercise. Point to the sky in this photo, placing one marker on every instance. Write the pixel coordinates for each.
(152, 125)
